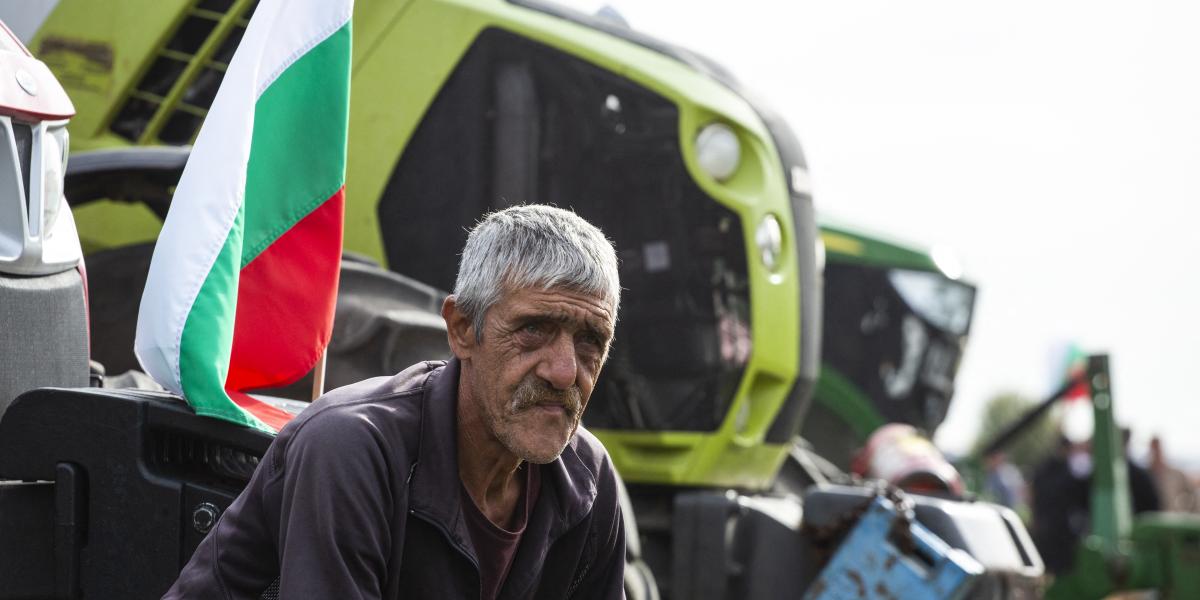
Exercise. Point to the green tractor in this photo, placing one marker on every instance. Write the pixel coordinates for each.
(459, 107)
(895, 325)
(527, 102)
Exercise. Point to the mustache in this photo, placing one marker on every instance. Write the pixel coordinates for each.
(534, 392)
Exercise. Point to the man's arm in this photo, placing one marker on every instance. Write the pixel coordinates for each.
(316, 515)
(605, 580)
(335, 511)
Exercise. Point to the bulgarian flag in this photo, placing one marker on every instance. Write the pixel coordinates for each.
(1076, 370)
(243, 283)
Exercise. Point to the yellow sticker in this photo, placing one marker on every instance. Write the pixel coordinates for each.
(840, 244)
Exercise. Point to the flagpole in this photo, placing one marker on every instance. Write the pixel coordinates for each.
(318, 387)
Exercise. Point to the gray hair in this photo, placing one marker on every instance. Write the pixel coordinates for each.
(533, 246)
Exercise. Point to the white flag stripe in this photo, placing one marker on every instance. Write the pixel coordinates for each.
(213, 184)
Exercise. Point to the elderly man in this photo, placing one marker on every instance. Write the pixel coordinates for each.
(462, 479)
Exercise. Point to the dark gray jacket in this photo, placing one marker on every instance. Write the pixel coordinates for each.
(359, 497)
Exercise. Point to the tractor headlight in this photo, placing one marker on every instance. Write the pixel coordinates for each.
(718, 151)
(54, 167)
(769, 238)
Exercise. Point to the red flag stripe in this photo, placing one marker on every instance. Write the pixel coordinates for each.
(279, 336)
(266, 413)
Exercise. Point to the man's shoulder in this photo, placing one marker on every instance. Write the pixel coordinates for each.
(409, 382)
(378, 406)
(588, 447)
(592, 454)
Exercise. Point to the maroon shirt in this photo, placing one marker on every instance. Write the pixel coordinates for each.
(496, 546)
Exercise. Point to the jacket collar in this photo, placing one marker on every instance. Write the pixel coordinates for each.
(568, 487)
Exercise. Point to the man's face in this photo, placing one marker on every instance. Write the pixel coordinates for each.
(536, 366)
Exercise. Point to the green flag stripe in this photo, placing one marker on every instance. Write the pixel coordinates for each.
(207, 339)
(294, 169)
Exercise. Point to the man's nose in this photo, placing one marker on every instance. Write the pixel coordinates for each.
(558, 366)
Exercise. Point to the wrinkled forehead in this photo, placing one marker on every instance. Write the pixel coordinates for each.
(562, 303)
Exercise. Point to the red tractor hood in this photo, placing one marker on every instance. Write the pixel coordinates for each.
(28, 90)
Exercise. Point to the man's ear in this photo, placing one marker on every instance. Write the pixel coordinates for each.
(460, 331)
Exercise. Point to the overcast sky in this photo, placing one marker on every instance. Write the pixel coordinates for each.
(1054, 146)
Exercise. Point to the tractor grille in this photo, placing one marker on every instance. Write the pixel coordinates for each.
(169, 102)
(199, 458)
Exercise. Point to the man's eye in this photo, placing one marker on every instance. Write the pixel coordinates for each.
(533, 331)
(591, 340)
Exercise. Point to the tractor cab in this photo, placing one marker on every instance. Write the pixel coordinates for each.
(895, 326)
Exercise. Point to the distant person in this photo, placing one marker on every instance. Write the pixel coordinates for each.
(1143, 491)
(1174, 488)
(1062, 487)
(1004, 482)
(1060, 490)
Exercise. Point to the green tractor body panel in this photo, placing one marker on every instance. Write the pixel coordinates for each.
(167, 57)
(98, 56)
(1166, 554)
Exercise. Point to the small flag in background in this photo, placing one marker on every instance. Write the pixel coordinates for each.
(243, 282)
(1076, 369)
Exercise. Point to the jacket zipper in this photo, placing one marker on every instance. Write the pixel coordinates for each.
(446, 534)
(578, 580)
(589, 557)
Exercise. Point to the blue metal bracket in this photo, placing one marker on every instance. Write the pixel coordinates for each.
(870, 564)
